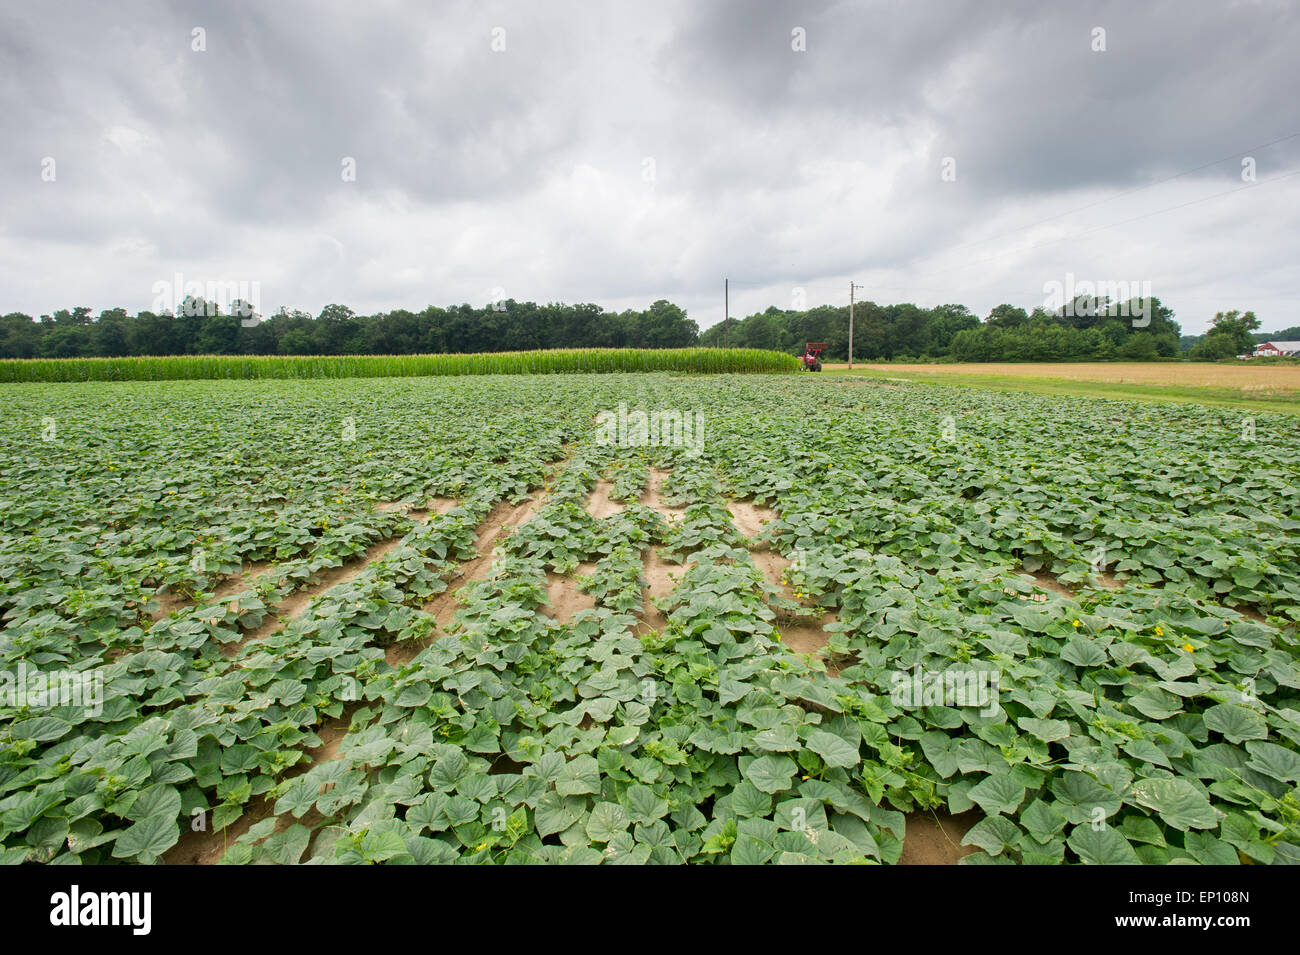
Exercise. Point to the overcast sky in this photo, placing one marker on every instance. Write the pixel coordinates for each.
(627, 151)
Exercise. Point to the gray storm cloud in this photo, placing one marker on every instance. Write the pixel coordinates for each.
(618, 153)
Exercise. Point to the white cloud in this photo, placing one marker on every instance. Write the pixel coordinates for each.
(523, 170)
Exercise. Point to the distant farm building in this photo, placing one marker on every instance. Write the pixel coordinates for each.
(1276, 349)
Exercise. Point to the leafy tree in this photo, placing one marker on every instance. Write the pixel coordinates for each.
(1007, 316)
(296, 341)
(666, 326)
(1291, 334)
(1235, 327)
(761, 331)
(108, 337)
(881, 331)
(220, 336)
(20, 336)
(1140, 347)
(66, 340)
(1213, 348)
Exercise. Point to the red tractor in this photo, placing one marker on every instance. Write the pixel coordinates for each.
(811, 357)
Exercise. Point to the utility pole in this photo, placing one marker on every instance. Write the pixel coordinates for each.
(851, 288)
(726, 313)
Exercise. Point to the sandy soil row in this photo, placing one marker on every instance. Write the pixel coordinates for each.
(599, 504)
(661, 577)
(800, 634)
(933, 838)
(501, 520)
(208, 846)
(294, 605)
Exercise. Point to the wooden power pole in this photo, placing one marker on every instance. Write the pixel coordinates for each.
(726, 313)
(851, 288)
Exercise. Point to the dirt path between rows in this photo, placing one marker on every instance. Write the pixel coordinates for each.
(564, 599)
(800, 634)
(661, 577)
(208, 846)
(599, 503)
(653, 495)
(500, 522)
(750, 518)
(934, 838)
(296, 603)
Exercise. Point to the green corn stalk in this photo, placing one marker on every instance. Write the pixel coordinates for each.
(559, 361)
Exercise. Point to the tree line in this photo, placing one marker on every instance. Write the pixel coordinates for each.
(200, 328)
(1086, 329)
(1235, 325)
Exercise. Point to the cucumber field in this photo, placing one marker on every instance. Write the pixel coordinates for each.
(643, 618)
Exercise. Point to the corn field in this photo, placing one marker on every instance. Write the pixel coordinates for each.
(566, 361)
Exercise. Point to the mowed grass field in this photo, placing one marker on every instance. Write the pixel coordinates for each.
(1247, 386)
